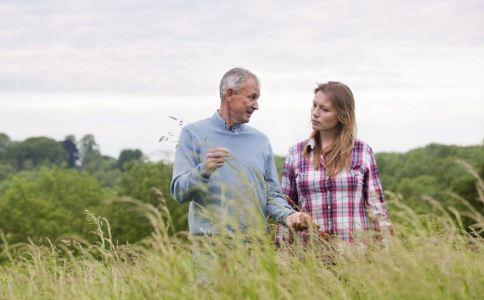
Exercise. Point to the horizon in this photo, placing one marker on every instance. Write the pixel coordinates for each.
(168, 155)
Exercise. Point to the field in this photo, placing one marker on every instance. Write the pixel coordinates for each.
(108, 229)
(429, 257)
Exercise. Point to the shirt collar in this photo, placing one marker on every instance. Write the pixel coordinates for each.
(310, 144)
(220, 122)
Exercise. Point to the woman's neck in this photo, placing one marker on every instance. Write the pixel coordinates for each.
(327, 138)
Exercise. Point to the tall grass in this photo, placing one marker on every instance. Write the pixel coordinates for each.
(429, 257)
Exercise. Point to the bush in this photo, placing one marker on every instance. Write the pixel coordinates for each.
(143, 181)
(49, 203)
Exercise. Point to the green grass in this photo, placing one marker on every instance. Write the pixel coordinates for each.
(429, 257)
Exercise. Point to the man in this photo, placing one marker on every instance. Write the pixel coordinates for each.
(224, 167)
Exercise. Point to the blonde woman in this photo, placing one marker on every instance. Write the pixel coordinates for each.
(332, 175)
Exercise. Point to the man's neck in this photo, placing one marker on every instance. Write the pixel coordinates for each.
(224, 112)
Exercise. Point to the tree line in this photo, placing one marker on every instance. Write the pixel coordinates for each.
(46, 185)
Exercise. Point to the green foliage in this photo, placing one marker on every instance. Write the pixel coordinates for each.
(413, 188)
(48, 203)
(101, 167)
(4, 143)
(429, 257)
(433, 171)
(89, 151)
(72, 153)
(279, 161)
(34, 152)
(434, 160)
(138, 182)
(435, 253)
(6, 170)
(128, 155)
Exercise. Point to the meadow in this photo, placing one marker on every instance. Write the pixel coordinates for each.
(108, 229)
(430, 257)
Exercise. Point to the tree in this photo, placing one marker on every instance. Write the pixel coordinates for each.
(4, 143)
(137, 183)
(49, 203)
(72, 153)
(34, 152)
(89, 150)
(102, 167)
(6, 168)
(128, 155)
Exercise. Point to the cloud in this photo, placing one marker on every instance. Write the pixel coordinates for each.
(131, 58)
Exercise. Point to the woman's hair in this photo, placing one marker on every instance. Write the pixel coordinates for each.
(337, 157)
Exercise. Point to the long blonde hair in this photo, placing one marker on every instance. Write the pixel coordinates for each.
(337, 157)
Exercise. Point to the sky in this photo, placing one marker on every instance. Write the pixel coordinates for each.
(121, 69)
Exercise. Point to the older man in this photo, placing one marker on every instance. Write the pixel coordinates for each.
(225, 168)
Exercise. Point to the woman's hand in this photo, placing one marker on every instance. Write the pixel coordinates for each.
(299, 221)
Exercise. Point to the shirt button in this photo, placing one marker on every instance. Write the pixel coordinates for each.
(329, 207)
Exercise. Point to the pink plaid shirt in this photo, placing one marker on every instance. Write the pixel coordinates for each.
(351, 202)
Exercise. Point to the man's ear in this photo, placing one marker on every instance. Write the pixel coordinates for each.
(228, 94)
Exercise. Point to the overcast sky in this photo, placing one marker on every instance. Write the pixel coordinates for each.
(119, 69)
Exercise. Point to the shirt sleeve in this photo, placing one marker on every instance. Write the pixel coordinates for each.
(188, 180)
(277, 206)
(288, 181)
(377, 208)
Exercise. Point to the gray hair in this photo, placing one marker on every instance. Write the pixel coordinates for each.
(233, 78)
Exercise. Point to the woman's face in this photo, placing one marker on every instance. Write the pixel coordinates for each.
(323, 113)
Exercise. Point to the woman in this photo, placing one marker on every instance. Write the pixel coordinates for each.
(332, 175)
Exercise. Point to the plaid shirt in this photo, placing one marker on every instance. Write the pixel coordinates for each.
(352, 201)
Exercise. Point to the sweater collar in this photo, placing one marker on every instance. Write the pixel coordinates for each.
(220, 122)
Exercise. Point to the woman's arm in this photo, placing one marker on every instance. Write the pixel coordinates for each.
(377, 208)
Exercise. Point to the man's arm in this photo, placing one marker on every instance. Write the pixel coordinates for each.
(190, 173)
(189, 177)
(277, 206)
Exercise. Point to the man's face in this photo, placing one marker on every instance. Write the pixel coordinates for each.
(244, 102)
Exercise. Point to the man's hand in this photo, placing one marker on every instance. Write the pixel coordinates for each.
(299, 221)
(214, 159)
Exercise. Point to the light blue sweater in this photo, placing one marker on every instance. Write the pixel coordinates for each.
(245, 189)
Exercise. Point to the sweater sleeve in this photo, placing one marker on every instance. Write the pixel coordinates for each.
(188, 179)
(277, 206)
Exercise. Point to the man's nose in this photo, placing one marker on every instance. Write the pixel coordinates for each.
(255, 105)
